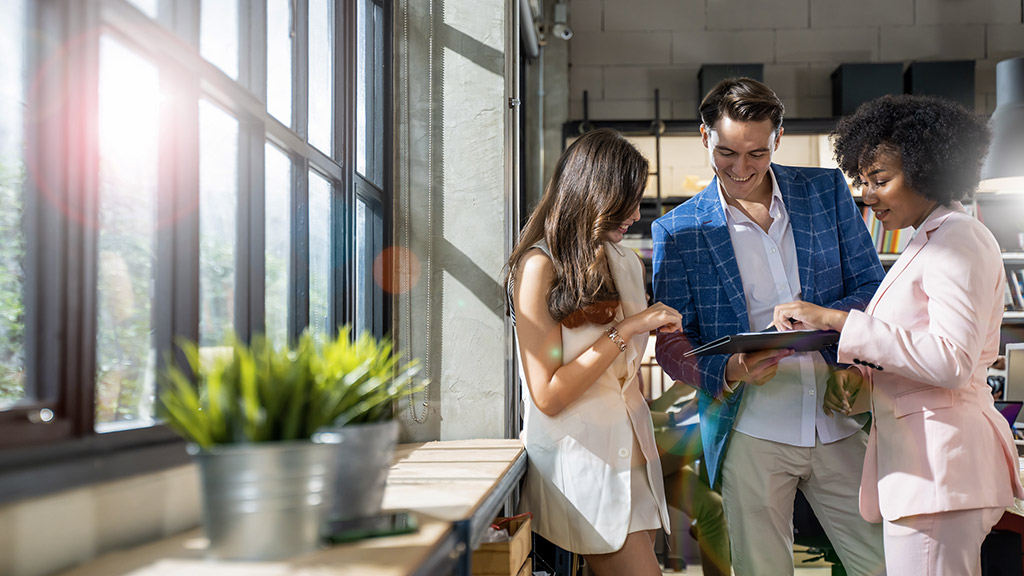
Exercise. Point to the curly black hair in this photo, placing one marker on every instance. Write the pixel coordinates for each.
(941, 143)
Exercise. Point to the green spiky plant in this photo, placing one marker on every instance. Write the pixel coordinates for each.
(259, 393)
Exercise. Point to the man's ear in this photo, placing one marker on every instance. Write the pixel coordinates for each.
(777, 138)
(704, 133)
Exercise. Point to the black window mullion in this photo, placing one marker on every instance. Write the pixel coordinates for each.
(383, 319)
(345, 53)
(180, 274)
(342, 294)
(80, 310)
(250, 307)
(298, 277)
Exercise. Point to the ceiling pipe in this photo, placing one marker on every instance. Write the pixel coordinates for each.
(528, 29)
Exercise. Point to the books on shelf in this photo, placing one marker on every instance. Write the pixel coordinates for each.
(1013, 296)
(886, 242)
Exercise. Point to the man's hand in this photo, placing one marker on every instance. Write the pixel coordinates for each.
(754, 367)
(841, 392)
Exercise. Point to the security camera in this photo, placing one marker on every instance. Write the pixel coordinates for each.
(561, 27)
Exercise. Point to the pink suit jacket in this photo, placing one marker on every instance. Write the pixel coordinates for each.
(925, 342)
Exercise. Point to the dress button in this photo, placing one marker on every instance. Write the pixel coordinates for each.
(624, 453)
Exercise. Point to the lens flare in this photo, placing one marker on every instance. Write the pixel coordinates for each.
(396, 270)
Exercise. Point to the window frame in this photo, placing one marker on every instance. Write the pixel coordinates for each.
(61, 259)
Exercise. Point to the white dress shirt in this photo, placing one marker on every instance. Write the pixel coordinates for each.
(788, 408)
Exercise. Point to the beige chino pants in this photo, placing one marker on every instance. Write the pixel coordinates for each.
(759, 483)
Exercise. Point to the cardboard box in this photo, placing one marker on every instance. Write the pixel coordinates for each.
(527, 569)
(505, 558)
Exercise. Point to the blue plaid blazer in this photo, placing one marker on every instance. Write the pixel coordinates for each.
(695, 272)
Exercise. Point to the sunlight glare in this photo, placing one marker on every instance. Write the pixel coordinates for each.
(129, 106)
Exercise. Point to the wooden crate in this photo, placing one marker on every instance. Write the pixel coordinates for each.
(505, 558)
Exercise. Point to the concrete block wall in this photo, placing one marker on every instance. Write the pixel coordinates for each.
(622, 50)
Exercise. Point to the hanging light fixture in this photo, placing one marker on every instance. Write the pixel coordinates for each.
(1003, 170)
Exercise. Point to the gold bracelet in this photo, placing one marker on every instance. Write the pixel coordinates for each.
(613, 335)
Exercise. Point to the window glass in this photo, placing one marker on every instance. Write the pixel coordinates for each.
(370, 91)
(128, 134)
(218, 209)
(279, 60)
(362, 54)
(363, 272)
(321, 63)
(218, 34)
(12, 175)
(376, 103)
(149, 7)
(278, 243)
(319, 254)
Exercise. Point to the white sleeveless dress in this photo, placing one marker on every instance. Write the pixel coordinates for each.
(594, 475)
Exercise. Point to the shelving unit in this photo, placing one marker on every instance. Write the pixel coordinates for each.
(679, 169)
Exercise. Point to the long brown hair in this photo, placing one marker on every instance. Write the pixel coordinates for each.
(596, 186)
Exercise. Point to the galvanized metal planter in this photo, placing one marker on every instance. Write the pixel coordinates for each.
(265, 501)
(364, 453)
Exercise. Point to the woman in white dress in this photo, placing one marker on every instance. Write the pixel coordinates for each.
(594, 483)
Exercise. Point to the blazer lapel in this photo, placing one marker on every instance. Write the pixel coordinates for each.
(626, 272)
(911, 251)
(801, 220)
(711, 220)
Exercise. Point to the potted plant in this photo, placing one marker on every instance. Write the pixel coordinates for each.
(251, 417)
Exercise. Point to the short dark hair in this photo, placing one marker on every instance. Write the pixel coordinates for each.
(942, 144)
(743, 99)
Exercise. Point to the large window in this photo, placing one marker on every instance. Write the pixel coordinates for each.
(171, 174)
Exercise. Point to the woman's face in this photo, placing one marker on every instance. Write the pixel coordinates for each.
(615, 236)
(885, 191)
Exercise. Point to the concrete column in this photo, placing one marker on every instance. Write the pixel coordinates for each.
(450, 213)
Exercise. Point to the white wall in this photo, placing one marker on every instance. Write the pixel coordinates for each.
(623, 49)
(44, 535)
(450, 210)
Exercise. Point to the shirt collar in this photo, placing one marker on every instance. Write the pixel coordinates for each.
(733, 215)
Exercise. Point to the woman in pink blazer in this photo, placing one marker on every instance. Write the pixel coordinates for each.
(941, 466)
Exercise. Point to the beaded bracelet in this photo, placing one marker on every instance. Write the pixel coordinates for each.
(613, 335)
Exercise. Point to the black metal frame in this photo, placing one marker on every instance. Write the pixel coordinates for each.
(61, 275)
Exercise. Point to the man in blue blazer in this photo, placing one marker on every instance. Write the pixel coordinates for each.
(760, 235)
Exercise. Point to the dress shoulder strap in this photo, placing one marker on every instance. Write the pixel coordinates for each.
(510, 286)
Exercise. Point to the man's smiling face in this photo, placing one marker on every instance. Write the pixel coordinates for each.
(741, 153)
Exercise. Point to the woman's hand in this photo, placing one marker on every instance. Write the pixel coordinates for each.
(801, 315)
(657, 317)
(754, 367)
(841, 392)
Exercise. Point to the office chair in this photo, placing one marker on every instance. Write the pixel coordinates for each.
(807, 531)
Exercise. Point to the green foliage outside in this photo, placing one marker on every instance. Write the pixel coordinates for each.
(262, 392)
(12, 282)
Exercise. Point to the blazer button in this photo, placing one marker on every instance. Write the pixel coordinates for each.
(857, 361)
(624, 453)
(879, 368)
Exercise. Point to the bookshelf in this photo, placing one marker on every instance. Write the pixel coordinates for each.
(680, 169)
